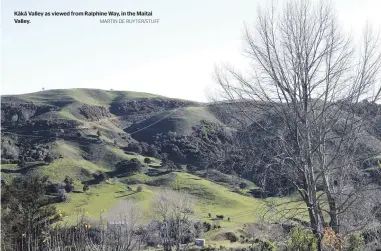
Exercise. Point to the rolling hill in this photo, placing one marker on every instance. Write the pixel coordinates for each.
(83, 133)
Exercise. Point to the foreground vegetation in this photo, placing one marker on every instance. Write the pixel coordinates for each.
(96, 219)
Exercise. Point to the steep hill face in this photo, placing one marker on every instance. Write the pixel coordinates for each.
(90, 119)
(181, 121)
(106, 127)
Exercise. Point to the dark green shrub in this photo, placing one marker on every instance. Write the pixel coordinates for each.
(169, 165)
(207, 226)
(266, 245)
(69, 188)
(69, 184)
(135, 165)
(220, 217)
(48, 158)
(85, 187)
(164, 162)
(134, 147)
(302, 240)
(129, 166)
(356, 242)
(232, 237)
(243, 185)
(21, 163)
(100, 176)
(147, 161)
(178, 166)
(191, 168)
(62, 195)
(152, 151)
(68, 180)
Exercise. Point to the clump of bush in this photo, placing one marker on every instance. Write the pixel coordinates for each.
(139, 188)
(85, 187)
(220, 216)
(147, 161)
(178, 166)
(356, 242)
(129, 166)
(216, 225)
(302, 239)
(243, 185)
(266, 245)
(232, 237)
(206, 226)
(191, 168)
(100, 176)
(48, 159)
(62, 195)
(69, 184)
(21, 163)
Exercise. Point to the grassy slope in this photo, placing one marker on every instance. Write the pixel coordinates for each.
(180, 121)
(208, 197)
(217, 199)
(94, 97)
(8, 177)
(191, 116)
(120, 153)
(70, 99)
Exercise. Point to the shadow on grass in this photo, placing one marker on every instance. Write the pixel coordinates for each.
(155, 172)
(194, 179)
(110, 174)
(126, 195)
(76, 191)
(260, 194)
(263, 194)
(23, 170)
(92, 136)
(217, 219)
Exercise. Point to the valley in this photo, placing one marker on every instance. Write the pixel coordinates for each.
(125, 146)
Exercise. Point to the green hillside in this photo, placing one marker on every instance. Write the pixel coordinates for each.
(208, 196)
(96, 97)
(86, 134)
(179, 121)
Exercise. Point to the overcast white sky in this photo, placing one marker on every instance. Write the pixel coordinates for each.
(174, 58)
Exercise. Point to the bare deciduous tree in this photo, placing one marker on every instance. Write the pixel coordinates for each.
(173, 210)
(306, 79)
(124, 222)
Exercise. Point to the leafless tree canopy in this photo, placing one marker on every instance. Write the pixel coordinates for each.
(173, 210)
(124, 221)
(308, 75)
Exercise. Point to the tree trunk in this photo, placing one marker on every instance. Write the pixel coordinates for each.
(316, 224)
(333, 212)
(167, 247)
(334, 221)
